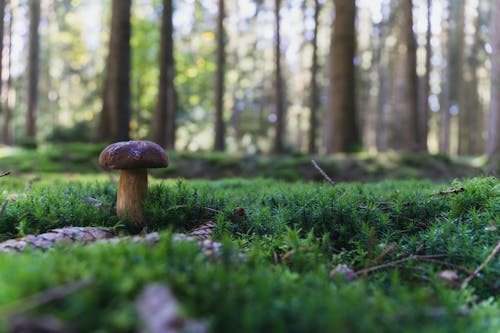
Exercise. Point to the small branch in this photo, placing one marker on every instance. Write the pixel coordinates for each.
(4, 173)
(395, 263)
(323, 173)
(371, 243)
(44, 297)
(386, 251)
(451, 191)
(2, 208)
(480, 267)
(206, 208)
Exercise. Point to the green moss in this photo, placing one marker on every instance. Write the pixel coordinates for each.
(292, 235)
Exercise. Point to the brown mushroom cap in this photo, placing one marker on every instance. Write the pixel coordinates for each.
(133, 155)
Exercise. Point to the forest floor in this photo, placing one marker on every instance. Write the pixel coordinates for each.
(253, 255)
(83, 158)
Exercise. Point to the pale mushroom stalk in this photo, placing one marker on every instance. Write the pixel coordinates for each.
(132, 190)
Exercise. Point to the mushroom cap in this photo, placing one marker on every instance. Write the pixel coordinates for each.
(133, 155)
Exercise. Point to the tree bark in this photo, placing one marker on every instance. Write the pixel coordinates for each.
(7, 136)
(2, 16)
(453, 85)
(493, 144)
(33, 67)
(220, 128)
(423, 105)
(474, 110)
(165, 116)
(314, 93)
(341, 132)
(404, 122)
(279, 102)
(115, 117)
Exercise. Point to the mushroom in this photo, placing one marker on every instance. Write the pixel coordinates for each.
(132, 158)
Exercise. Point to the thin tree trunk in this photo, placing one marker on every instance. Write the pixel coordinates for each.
(279, 91)
(423, 112)
(314, 97)
(116, 104)
(7, 125)
(33, 67)
(453, 74)
(220, 128)
(404, 120)
(2, 16)
(166, 107)
(473, 106)
(341, 132)
(493, 144)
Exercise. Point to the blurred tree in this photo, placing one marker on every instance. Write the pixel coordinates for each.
(314, 91)
(165, 125)
(220, 128)
(2, 24)
(453, 102)
(115, 115)
(493, 145)
(423, 104)
(7, 137)
(404, 119)
(341, 131)
(279, 92)
(383, 61)
(33, 68)
(473, 118)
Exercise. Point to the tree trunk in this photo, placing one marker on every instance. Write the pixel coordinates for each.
(493, 144)
(314, 97)
(474, 110)
(165, 117)
(423, 105)
(404, 122)
(7, 135)
(2, 17)
(115, 117)
(452, 86)
(341, 132)
(33, 67)
(220, 128)
(278, 86)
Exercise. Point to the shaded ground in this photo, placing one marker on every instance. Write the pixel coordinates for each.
(82, 158)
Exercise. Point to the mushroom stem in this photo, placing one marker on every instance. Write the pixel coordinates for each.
(132, 191)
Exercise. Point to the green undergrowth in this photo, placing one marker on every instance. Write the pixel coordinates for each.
(83, 158)
(291, 235)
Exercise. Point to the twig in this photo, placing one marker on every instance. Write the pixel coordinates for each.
(4, 173)
(323, 173)
(44, 297)
(395, 263)
(480, 267)
(451, 191)
(206, 208)
(2, 208)
(385, 252)
(371, 243)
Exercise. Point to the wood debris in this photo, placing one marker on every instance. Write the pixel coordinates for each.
(86, 235)
(46, 240)
(159, 312)
(203, 231)
(451, 191)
